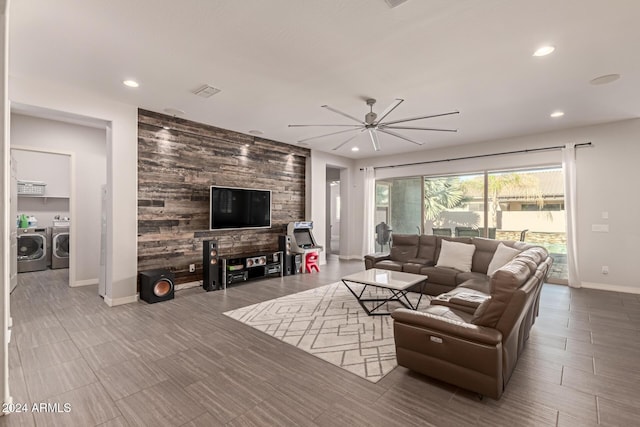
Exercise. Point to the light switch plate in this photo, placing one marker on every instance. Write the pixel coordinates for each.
(605, 215)
(600, 228)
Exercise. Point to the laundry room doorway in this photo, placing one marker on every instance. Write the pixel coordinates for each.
(63, 162)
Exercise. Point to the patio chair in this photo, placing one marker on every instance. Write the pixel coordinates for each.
(467, 232)
(523, 234)
(441, 232)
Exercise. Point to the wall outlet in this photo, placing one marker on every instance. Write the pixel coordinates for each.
(605, 269)
(192, 268)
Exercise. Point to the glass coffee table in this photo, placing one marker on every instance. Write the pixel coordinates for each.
(397, 283)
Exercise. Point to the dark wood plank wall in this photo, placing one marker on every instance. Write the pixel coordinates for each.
(176, 168)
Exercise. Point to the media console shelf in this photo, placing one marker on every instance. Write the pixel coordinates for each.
(241, 268)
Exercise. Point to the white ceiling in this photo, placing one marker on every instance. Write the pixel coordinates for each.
(278, 61)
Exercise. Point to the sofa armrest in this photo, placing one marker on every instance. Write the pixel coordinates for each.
(437, 322)
(371, 259)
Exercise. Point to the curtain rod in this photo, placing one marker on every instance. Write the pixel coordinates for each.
(478, 156)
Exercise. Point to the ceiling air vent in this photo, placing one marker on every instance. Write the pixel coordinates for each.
(206, 91)
(394, 3)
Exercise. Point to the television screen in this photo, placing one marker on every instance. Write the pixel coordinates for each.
(232, 207)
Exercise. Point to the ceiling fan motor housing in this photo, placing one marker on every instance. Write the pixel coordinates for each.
(370, 118)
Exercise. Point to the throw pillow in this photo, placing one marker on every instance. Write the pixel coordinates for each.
(503, 255)
(456, 255)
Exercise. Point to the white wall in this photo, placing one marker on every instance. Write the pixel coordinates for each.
(5, 178)
(88, 146)
(607, 176)
(122, 157)
(317, 165)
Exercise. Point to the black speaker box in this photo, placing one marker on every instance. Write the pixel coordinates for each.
(284, 244)
(210, 265)
(156, 285)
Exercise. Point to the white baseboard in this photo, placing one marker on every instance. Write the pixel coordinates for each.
(85, 282)
(120, 301)
(350, 257)
(611, 288)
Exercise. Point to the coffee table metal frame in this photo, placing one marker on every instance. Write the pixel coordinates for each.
(398, 289)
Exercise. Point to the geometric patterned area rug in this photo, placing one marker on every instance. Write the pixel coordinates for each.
(328, 323)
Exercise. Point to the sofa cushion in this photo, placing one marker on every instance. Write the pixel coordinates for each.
(456, 255)
(414, 265)
(440, 275)
(390, 265)
(503, 255)
(405, 247)
(427, 247)
(470, 275)
(439, 240)
(479, 284)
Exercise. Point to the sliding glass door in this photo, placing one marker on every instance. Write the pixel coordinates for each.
(523, 205)
(528, 205)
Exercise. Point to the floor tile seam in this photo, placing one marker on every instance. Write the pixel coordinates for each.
(51, 397)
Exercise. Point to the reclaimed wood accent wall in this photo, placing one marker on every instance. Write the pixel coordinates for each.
(177, 162)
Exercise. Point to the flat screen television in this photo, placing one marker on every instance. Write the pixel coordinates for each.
(232, 208)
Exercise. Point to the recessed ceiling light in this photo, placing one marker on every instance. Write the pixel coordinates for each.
(544, 51)
(603, 80)
(355, 149)
(255, 132)
(130, 83)
(556, 114)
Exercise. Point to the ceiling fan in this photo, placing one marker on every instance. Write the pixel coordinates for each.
(372, 124)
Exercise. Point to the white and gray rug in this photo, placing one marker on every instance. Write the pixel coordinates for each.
(329, 323)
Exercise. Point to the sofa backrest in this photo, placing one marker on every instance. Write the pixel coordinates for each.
(517, 273)
(404, 247)
(427, 247)
(486, 248)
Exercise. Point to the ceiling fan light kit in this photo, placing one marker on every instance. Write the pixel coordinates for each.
(372, 124)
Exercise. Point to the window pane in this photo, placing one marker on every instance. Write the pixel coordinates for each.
(454, 205)
(529, 205)
(398, 206)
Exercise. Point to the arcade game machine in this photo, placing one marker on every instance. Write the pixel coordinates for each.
(303, 242)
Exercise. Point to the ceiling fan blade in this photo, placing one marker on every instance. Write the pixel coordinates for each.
(390, 108)
(341, 126)
(326, 134)
(417, 128)
(419, 118)
(397, 135)
(347, 141)
(343, 114)
(374, 139)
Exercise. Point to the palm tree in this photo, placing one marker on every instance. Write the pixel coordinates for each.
(525, 185)
(441, 194)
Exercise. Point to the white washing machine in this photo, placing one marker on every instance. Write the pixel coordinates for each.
(60, 247)
(32, 249)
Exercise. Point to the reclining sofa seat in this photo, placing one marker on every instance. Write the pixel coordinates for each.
(477, 351)
(419, 255)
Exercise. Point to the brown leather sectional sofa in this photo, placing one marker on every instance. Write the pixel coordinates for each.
(472, 334)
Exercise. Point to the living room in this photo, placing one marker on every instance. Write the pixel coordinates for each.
(608, 121)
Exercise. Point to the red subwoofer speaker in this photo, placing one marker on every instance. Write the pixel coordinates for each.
(210, 265)
(156, 285)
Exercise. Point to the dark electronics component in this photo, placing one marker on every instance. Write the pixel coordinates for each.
(233, 208)
(156, 285)
(210, 265)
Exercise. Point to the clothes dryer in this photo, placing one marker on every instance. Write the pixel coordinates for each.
(60, 247)
(32, 249)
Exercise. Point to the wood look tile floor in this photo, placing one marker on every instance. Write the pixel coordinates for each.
(183, 363)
